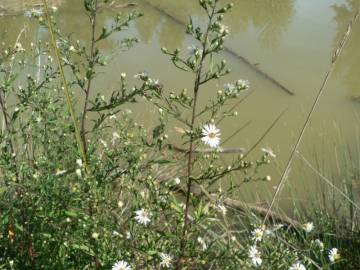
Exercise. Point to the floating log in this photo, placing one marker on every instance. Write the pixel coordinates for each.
(229, 51)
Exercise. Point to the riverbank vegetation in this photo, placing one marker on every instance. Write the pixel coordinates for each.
(85, 186)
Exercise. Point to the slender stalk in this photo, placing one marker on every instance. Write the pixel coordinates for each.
(65, 87)
(192, 140)
(335, 57)
(91, 65)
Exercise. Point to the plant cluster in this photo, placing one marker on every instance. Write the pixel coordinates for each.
(111, 194)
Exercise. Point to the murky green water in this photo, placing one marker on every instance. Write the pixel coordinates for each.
(291, 40)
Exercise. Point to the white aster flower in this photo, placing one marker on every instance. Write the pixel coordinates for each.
(243, 84)
(60, 172)
(144, 194)
(177, 181)
(121, 265)
(154, 82)
(211, 135)
(72, 48)
(54, 9)
(78, 172)
(297, 266)
(269, 232)
(202, 242)
(278, 226)
(195, 50)
(120, 204)
(115, 137)
(103, 143)
(255, 256)
(142, 216)
(320, 244)
(229, 87)
(257, 234)
(141, 75)
(95, 235)
(308, 227)
(221, 208)
(223, 29)
(28, 14)
(269, 152)
(334, 255)
(19, 47)
(79, 162)
(166, 260)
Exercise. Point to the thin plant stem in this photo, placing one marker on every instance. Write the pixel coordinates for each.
(65, 87)
(335, 57)
(192, 140)
(88, 87)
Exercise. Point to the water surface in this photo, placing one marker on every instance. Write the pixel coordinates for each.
(291, 40)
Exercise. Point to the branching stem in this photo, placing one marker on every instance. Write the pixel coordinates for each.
(91, 66)
(192, 139)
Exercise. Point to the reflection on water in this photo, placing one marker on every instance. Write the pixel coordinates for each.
(271, 17)
(148, 24)
(169, 33)
(349, 63)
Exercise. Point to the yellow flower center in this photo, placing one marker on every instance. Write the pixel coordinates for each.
(212, 135)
